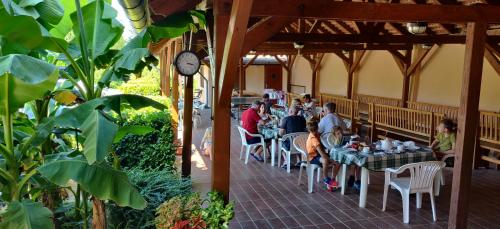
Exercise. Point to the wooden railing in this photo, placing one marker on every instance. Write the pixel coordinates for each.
(367, 99)
(402, 119)
(448, 111)
(489, 127)
(344, 106)
(292, 96)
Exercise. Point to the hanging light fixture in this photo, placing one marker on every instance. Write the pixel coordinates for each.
(416, 27)
(426, 46)
(299, 46)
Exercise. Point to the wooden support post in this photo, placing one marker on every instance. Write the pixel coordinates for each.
(288, 68)
(315, 62)
(187, 129)
(175, 88)
(468, 117)
(241, 71)
(220, 146)
(228, 53)
(404, 63)
(167, 57)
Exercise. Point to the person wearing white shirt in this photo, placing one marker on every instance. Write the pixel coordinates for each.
(330, 120)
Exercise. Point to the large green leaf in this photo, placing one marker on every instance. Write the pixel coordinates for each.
(26, 215)
(22, 79)
(101, 31)
(99, 179)
(172, 26)
(73, 118)
(99, 133)
(126, 130)
(51, 12)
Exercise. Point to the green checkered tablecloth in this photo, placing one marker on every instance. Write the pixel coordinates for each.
(269, 132)
(279, 112)
(379, 162)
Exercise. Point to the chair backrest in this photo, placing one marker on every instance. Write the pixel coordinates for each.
(290, 137)
(299, 142)
(242, 132)
(422, 173)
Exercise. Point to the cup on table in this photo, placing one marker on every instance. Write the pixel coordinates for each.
(378, 147)
(366, 149)
(401, 148)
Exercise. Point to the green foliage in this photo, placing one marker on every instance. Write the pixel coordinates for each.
(156, 187)
(179, 208)
(217, 214)
(146, 85)
(99, 179)
(153, 151)
(27, 215)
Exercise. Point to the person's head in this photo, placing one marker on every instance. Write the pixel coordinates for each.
(312, 126)
(446, 125)
(265, 97)
(262, 108)
(307, 98)
(329, 108)
(337, 131)
(256, 105)
(293, 110)
(296, 102)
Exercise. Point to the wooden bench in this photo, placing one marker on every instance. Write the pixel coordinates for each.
(489, 135)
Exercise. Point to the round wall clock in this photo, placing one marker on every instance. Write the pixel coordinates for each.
(187, 63)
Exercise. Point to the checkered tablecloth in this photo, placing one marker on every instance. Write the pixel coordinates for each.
(379, 162)
(279, 112)
(269, 132)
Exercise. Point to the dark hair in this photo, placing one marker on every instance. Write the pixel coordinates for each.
(332, 107)
(265, 96)
(307, 96)
(257, 103)
(312, 125)
(449, 124)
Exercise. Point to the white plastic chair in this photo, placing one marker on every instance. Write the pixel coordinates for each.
(299, 143)
(421, 180)
(248, 147)
(291, 151)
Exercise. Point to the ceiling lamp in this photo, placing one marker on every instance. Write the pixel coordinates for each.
(416, 27)
(299, 46)
(426, 46)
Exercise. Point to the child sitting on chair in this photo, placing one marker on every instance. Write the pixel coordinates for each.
(206, 143)
(317, 155)
(444, 143)
(336, 137)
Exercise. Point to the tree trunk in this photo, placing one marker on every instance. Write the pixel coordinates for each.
(99, 214)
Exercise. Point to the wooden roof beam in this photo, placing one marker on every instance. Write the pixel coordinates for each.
(278, 49)
(331, 27)
(262, 31)
(383, 12)
(346, 27)
(367, 38)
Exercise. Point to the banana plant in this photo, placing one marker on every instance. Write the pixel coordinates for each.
(84, 34)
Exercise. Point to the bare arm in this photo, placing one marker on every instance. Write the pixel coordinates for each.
(322, 152)
(434, 144)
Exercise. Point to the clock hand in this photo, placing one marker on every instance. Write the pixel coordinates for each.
(189, 64)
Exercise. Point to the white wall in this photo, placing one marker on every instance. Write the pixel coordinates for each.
(333, 76)
(254, 79)
(302, 73)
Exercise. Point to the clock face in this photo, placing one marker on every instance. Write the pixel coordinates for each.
(187, 63)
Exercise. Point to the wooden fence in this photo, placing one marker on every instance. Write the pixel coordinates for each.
(402, 121)
(367, 99)
(448, 111)
(344, 105)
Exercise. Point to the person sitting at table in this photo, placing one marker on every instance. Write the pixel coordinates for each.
(318, 155)
(297, 104)
(264, 115)
(444, 143)
(267, 103)
(330, 119)
(250, 119)
(336, 137)
(292, 123)
(309, 106)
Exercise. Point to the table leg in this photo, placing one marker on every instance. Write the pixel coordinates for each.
(343, 179)
(364, 187)
(273, 151)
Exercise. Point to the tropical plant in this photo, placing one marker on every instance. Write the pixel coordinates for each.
(156, 187)
(83, 33)
(217, 214)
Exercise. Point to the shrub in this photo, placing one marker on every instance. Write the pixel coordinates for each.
(187, 212)
(156, 187)
(153, 151)
(147, 85)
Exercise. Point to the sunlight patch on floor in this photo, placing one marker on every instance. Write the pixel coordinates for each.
(197, 159)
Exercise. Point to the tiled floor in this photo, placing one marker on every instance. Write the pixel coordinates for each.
(268, 197)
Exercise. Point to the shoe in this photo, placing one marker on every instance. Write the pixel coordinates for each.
(257, 158)
(350, 182)
(284, 166)
(357, 186)
(327, 181)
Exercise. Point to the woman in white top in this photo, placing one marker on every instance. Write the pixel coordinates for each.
(309, 106)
